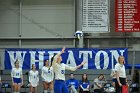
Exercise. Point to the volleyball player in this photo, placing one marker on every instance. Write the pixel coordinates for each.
(33, 79)
(17, 77)
(59, 70)
(47, 77)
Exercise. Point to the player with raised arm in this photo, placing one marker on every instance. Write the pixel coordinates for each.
(59, 70)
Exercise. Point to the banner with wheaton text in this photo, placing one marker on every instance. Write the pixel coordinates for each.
(95, 58)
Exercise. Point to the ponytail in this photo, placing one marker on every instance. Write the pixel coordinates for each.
(51, 61)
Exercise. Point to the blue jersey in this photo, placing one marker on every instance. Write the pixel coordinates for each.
(73, 82)
(84, 84)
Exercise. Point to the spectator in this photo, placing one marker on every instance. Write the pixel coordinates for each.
(84, 84)
(72, 84)
(99, 84)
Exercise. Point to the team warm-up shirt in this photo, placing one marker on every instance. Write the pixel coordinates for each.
(85, 85)
(16, 73)
(121, 70)
(73, 82)
(59, 69)
(33, 78)
(47, 74)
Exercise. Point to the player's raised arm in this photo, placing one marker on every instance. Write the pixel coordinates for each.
(55, 58)
(62, 51)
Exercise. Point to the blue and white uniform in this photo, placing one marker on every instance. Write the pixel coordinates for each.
(16, 74)
(47, 74)
(59, 70)
(33, 78)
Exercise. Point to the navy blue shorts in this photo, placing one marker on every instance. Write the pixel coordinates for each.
(17, 80)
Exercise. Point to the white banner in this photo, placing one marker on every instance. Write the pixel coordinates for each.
(95, 16)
